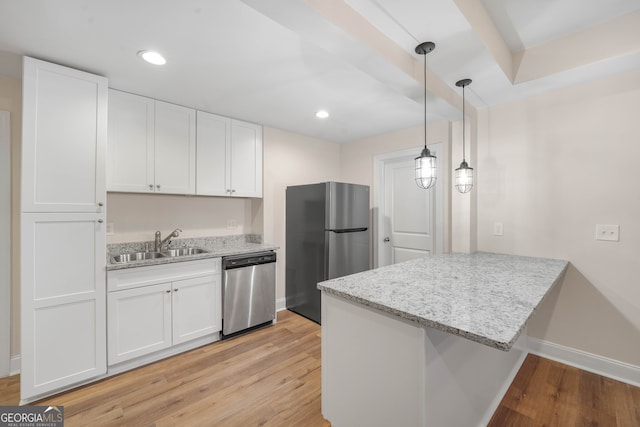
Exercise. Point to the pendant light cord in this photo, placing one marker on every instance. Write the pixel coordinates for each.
(463, 128)
(425, 100)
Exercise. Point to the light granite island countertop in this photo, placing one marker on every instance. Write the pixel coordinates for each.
(433, 341)
(485, 297)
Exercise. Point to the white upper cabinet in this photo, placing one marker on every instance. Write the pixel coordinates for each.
(246, 159)
(130, 164)
(213, 141)
(64, 128)
(229, 161)
(175, 149)
(152, 146)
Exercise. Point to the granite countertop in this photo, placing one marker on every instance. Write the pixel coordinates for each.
(216, 246)
(484, 297)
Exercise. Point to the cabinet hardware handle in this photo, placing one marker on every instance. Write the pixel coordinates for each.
(158, 186)
(233, 191)
(100, 204)
(168, 291)
(386, 239)
(176, 290)
(100, 221)
(150, 186)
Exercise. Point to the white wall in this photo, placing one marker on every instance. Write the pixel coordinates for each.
(5, 243)
(550, 168)
(136, 217)
(291, 159)
(11, 100)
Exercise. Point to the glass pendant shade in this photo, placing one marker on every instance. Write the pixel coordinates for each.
(426, 169)
(425, 162)
(464, 174)
(464, 178)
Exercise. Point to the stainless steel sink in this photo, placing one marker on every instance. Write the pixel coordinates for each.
(183, 252)
(136, 256)
(141, 256)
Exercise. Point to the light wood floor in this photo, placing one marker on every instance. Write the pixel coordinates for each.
(271, 377)
(547, 393)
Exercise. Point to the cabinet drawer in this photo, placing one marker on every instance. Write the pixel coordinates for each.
(154, 274)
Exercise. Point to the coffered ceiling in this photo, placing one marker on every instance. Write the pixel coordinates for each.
(277, 62)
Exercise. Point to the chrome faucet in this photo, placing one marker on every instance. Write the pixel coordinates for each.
(159, 243)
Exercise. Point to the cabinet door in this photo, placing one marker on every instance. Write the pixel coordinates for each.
(197, 309)
(130, 161)
(139, 321)
(175, 149)
(63, 292)
(246, 159)
(212, 141)
(64, 131)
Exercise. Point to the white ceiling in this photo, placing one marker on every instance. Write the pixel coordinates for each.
(277, 62)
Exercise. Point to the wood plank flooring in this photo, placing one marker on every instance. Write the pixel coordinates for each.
(271, 377)
(548, 393)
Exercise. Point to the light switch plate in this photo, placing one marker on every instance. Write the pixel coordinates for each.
(608, 232)
(110, 229)
(498, 229)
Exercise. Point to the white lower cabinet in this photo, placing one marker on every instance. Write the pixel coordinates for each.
(156, 307)
(196, 308)
(139, 321)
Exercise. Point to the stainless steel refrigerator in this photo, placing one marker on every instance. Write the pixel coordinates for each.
(327, 237)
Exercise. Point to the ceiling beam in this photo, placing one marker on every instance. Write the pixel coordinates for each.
(349, 20)
(486, 31)
(616, 38)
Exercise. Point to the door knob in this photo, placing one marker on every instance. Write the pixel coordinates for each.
(386, 239)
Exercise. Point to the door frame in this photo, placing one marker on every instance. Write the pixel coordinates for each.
(5, 245)
(442, 205)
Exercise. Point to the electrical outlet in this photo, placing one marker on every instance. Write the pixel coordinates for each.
(498, 229)
(110, 229)
(608, 232)
(232, 223)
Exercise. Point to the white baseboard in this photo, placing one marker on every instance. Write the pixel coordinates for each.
(281, 304)
(16, 363)
(604, 366)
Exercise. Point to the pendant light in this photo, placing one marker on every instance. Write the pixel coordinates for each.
(464, 174)
(425, 162)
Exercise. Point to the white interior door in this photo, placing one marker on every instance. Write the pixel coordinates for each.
(409, 218)
(410, 221)
(5, 246)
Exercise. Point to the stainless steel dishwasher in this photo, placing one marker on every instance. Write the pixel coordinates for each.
(248, 291)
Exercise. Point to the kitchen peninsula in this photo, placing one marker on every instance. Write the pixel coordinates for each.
(433, 341)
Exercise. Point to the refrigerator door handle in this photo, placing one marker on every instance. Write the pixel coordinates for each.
(350, 230)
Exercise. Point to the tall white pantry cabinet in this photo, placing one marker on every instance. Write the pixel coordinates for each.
(63, 241)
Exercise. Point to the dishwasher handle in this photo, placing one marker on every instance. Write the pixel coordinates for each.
(248, 260)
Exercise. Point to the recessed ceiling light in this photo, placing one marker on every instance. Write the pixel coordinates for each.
(152, 57)
(322, 114)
